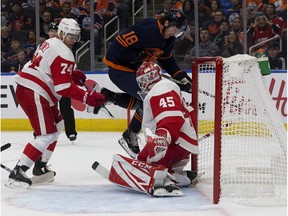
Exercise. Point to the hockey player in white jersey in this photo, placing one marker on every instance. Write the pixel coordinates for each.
(40, 85)
(170, 139)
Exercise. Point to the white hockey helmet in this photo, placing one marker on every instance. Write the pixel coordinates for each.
(69, 26)
(147, 74)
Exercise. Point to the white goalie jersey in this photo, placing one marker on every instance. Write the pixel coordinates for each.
(164, 107)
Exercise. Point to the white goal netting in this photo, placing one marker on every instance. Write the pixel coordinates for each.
(253, 137)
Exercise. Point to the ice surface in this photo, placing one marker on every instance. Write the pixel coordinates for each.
(79, 190)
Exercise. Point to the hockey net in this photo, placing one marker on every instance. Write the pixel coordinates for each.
(245, 160)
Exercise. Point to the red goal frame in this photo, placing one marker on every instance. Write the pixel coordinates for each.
(217, 121)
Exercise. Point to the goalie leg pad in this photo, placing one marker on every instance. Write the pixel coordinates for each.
(136, 175)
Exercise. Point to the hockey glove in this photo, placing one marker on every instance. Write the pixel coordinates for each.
(79, 78)
(186, 81)
(93, 98)
(157, 144)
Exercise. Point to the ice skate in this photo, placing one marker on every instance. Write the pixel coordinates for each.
(18, 178)
(72, 137)
(167, 191)
(42, 173)
(129, 143)
(194, 176)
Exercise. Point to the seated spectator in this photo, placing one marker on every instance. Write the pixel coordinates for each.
(213, 25)
(106, 9)
(231, 45)
(167, 5)
(5, 40)
(206, 47)
(235, 10)
(42, 8)
(123, 12)
(273, 18)
(65, 13)
(178, 4)
(254, 7)
(182, 46)
(30, 44)
(6, 7)
(44, 23)
(223, 29)
(188, 10)
(214, 6)
(84, 21)
(280, 5)
(275, 60)
(22, 59)
(11, 56)
(17, 17)
(262, 29)
(236, 25)
(51, 3)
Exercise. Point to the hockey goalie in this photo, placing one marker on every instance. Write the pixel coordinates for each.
(158, 169)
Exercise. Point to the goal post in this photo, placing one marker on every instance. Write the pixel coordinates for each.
(246, 158)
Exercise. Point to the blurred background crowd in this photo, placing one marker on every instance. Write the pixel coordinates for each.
(220, 28)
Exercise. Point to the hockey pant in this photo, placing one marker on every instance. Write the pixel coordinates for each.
(46, 121)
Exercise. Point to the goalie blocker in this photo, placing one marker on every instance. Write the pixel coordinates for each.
(143, 177)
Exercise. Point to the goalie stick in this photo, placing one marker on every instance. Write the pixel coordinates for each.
(101, 170)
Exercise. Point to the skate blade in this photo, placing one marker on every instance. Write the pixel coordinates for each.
(16, 184)
(124, 145)
(162, 192)
(45, 178)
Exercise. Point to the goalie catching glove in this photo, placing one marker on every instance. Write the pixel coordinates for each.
(186, 81)
(157, 144)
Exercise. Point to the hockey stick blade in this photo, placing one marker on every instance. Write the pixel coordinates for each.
(228, 124)
(6, 146)
(107, 112)
(101, 170)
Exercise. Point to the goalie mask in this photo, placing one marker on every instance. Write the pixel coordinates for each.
(147, 74)
(174, 18)
(69, 26)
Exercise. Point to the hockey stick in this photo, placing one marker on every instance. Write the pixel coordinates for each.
(109, 113)
(101, 170)
(212, 132)
(6, 168)
(180, 83)
(6, 146)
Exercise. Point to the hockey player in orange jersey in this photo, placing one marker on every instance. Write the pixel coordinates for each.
(40, 85)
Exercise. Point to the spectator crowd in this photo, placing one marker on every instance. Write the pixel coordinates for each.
(220, 26)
